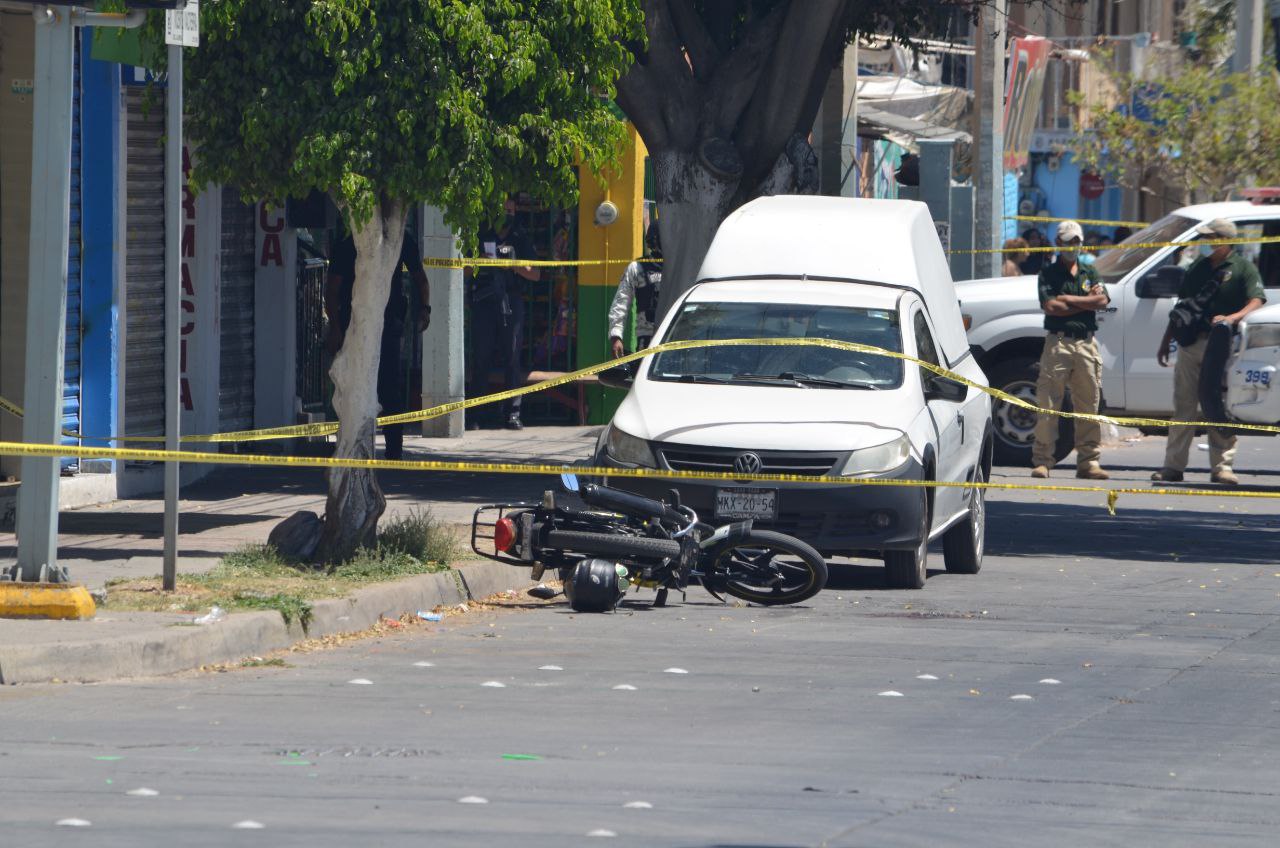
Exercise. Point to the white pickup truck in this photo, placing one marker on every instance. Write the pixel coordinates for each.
(1005, 328)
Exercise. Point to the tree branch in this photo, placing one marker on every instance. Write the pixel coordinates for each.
(793, 82)
(735, 80)
(703, 52)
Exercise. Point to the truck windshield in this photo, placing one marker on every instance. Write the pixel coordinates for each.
(800, 365)
(1116, 263)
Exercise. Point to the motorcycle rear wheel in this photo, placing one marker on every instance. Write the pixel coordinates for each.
(768, 568)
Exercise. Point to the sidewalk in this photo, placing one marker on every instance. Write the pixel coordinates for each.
(239, 505)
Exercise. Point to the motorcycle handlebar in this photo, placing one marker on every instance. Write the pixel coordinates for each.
(636, 506)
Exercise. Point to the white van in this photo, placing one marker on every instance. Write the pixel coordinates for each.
(868, 271)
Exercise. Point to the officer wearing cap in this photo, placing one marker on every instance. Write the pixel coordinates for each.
(1070, 295)
(1220, 287)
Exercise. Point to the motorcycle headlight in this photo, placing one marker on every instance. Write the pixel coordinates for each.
(626, 448)
(1262, 335)
(878, 459)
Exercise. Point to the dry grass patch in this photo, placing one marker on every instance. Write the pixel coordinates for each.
(256, 577)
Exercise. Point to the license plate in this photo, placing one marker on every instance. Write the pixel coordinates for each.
(746, 503)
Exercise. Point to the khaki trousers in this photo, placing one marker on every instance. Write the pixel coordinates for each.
(1186, 407)
(1074, 364)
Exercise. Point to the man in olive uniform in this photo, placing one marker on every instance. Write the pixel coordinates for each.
(1070, 296)
(1220, 287)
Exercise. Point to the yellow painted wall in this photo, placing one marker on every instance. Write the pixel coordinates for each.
(621, 240)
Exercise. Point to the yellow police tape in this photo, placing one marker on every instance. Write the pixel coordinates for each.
(138, 454)
(1099, 248)
(488, 262)
(330, 427)
(485, 262)
(1090, 221)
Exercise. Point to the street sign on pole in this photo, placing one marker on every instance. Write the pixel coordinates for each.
(182, 26)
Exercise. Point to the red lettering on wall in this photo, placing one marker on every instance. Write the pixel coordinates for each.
(189, 203)
(272, 252)
(190, 308)
(182, 356)
(188, 286)
(189, 241)
(271, 221)
(186, 394)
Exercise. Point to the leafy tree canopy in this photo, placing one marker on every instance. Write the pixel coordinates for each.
(449, 102)
(1197, 131)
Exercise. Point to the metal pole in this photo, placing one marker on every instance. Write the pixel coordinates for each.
(989, 140)
(46, 292)
(172, 307)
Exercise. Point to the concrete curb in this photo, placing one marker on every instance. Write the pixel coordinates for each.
(172, 649)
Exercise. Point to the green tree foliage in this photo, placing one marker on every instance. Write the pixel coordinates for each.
(1199, 132)
(448, 102)
(387, 103)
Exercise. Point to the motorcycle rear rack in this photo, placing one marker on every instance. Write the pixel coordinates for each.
(477, 525)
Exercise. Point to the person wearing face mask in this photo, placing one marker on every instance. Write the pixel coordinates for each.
(1220, 287)
(1070, 296)
(496, 296)
(641, 283)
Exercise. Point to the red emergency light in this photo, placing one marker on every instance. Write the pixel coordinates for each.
(1261, 195)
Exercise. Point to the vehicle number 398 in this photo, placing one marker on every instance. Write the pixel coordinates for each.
(1258, 377)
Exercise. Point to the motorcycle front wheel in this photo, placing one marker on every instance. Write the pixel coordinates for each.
(767, 568)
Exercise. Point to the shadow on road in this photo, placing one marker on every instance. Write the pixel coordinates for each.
(1144, 535)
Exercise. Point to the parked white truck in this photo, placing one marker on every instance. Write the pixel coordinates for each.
(1006, 328)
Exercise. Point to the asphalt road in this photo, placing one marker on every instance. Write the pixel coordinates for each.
(1103, 681)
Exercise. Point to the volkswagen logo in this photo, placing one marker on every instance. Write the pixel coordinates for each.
(747, 463)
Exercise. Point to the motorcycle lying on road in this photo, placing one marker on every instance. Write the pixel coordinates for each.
(621, 539)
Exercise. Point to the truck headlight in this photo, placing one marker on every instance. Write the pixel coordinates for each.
(1262, 335)
(878, 459)
(626, 448)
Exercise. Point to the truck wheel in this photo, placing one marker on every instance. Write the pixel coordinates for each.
(1013, 426)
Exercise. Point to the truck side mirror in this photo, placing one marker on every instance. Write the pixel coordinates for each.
(1162, 282)
(618, 377)
(937, 387)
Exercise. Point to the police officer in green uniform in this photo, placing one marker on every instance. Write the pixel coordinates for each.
(1070, 296)
(1221, 287)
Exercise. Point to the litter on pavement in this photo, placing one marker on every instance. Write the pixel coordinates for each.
(213, 616)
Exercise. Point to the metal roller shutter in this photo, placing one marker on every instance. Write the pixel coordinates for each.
(144, 264)
(235, 387)
(71, 360)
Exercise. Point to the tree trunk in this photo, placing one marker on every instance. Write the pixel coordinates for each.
(693, 200)
(355, 500)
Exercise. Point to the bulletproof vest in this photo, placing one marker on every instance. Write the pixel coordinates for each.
(647, 292)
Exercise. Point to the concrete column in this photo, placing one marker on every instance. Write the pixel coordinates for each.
(836, 130)
(988, 142)
(275, 304)
(46, 292)
(1250, 20)
(443, 350)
